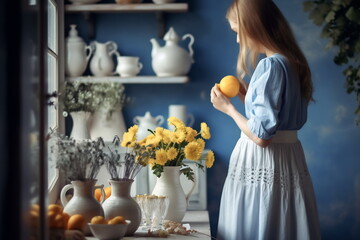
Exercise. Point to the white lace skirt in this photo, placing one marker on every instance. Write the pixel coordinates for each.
(268, 193)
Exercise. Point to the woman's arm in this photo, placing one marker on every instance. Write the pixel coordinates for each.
(223, 104)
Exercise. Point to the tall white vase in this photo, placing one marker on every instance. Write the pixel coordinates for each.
(169, 185)
(107, 126)
(80, 130)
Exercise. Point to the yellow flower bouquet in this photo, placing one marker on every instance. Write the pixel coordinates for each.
(163, 147)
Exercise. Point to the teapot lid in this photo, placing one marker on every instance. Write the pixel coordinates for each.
(73, 35)
(171, 35)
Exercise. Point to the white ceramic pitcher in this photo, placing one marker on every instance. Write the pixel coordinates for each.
(102, 63)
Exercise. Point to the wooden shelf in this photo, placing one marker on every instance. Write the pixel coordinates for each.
(133, 80)
(139, 7)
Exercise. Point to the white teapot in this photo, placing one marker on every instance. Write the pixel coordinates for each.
(147, 122)
(171, 59)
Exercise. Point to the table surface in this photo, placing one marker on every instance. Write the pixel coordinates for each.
(198, 220)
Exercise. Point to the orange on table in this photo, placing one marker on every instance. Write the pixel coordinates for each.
(98, 220)
(229, 86)
(51, 218)
(76, 222)
(66, 219)
(56, 208)
(117, 220)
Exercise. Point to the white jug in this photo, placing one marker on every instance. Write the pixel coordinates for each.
(77, 54)
(102, 63)
(147, 122)
(171, 59)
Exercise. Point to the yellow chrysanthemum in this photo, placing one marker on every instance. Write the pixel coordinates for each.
(210, 158)
(171, 153)
(193, 151)
(177, 136)
(205, 131)
(161, 157)
(176, 122)
(151, 162)
(166, 136)
(129, 137)
(201, 143)
(190, 134)
(153, 140)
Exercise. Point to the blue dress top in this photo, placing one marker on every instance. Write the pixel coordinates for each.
(273, 100)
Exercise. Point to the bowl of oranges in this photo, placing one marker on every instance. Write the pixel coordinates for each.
(114, 228)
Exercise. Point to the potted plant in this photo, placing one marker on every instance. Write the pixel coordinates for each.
(122, 167)
(80, 162)
(78, 102)
(166, 151)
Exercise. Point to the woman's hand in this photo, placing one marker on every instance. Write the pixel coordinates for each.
(219, 101)
(242, 93)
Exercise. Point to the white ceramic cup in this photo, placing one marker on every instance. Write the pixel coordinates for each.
(180, 112)
(128, 66)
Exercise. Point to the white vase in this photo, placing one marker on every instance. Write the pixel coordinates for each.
(83, 201)
(169, 185)
(107, 125)
(120, 203)
(102, 63)
(80, 130)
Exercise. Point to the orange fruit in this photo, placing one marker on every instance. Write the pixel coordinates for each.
(76, 222)
(66, 219)
(55, 207)
(51, 218)
(33, 218)
(35, 207)
(107, 192)
(98, 220)
(229, 86)
(97, 194)
(59, 221)
(117, 220)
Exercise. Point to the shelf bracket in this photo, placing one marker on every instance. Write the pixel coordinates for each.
(160, 18)
(90, 22)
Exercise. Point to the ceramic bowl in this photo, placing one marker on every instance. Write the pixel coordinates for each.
(109, 231)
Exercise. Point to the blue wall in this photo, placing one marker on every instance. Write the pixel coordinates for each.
(330, 137)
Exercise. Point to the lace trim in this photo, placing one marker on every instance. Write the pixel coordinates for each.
(253, 176)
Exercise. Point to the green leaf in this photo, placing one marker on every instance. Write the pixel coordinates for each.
(330, 16)
(316, 16)
(308, 5)
(353, 14)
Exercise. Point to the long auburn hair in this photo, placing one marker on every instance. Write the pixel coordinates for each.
(263, 22)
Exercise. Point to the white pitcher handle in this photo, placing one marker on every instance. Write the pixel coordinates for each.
(136, 120)
(140, 65)
(102, 192)
(159, 120)
(191, 190)
(192, 40)
(89, 51)
(111, 47)
(64, 190)
(191, 119)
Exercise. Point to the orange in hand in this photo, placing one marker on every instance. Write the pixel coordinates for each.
(229, 86)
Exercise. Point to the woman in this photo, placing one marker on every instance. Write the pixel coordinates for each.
(268, 193)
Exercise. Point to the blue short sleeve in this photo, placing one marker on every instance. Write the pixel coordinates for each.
(265, 98)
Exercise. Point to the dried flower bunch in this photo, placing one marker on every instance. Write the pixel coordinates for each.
(79, 160)
(122, 166)
(163, 147)
(88, 97)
